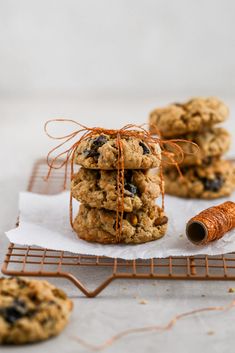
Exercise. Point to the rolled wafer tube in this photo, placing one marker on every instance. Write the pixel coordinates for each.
(211, 224)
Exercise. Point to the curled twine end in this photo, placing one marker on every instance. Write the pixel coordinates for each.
(147, 329)
(62, 159)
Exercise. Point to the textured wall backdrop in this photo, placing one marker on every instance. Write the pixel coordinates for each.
(117, 48)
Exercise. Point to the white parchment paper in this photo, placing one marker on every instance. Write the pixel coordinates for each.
(44, 221)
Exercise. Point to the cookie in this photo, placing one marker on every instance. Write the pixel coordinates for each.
(101, 152)
(31, 310)
(212, 143)
(99, 225)
(98, 188)
(180, 119)
(204, 182)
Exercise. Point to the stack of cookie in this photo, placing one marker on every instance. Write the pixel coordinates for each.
(206, 174)
(95, 186)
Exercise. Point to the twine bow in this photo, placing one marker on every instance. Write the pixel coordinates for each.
(172, 154)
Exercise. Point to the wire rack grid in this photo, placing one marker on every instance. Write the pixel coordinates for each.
(38, 262)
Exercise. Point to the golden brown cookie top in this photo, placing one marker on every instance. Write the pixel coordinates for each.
(101, 152)
(191, 116)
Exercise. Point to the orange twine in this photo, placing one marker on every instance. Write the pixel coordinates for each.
(162, 328)
(216, 221)
(84, 133)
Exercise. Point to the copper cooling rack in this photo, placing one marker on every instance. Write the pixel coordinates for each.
(35, 261)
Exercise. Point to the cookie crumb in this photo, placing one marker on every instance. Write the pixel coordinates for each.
(143, 301)
(210, 333)
(231, 290)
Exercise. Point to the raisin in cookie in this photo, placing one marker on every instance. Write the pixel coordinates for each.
(99, 225)
(204, 182)
(192, 116)
(98, 188)
(31, 310)
(212, 143)
(101, 152)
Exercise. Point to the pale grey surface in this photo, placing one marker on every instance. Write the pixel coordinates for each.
(107, 48)
(118, 307)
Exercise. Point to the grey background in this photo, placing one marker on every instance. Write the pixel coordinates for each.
(117, 48)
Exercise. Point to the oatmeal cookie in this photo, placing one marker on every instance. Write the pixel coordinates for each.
(192, 116)
(212, 143)
(101, 152)
(99, 225)
(98, 188)
(203, 182)
(31, 310)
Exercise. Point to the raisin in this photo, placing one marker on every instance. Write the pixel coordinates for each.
(93, 151)
(131, 188)
(184, 169)
(146, 150)
(128, 176)
(14, 312)
(213, 185)
(11, 315)
(99, 141)
(33, 297)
